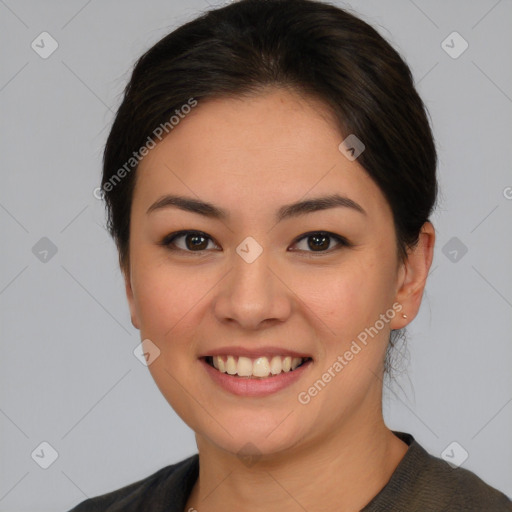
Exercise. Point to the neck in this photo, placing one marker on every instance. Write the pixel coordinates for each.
(348, 468)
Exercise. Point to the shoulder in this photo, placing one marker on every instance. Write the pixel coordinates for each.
(155, 492)
(424, 483)
(459, 488)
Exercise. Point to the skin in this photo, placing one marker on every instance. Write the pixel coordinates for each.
(251, 156)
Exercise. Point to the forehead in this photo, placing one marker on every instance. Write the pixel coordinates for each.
(252, 152)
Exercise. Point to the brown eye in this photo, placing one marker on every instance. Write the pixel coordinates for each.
(194, 241)
(320, 241)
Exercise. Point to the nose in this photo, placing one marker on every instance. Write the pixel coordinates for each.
(252, 294)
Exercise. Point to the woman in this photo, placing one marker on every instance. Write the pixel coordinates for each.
(269, 179)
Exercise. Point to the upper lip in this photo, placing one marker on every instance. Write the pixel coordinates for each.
(253, 353)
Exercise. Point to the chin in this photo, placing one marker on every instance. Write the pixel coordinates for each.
(255, 440)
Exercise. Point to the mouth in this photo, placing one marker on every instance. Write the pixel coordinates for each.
(263, 367)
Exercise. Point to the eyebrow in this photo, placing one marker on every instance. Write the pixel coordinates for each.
(285, 212)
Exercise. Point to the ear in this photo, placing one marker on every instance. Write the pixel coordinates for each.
(130, 297)
(412, 276)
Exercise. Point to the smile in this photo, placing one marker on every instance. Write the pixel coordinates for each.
(259, 367)
(255, 377)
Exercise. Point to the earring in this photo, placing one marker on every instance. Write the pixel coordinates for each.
(404, 316)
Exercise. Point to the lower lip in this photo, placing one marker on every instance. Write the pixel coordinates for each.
(243, 386)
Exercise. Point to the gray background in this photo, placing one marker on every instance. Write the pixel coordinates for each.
(68, 373)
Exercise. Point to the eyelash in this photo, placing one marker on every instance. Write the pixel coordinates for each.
(170, 239)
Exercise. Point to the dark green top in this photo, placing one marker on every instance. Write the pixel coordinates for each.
(420, 483)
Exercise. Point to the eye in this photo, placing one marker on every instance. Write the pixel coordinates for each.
(320, 241)
(195, 241)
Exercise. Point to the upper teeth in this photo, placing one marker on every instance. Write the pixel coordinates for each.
(259, 367)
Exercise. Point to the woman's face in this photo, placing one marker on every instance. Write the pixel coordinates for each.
(251, 283)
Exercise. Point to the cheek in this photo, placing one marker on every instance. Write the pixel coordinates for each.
(167, 299)
(350, 296)
(168, 303)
